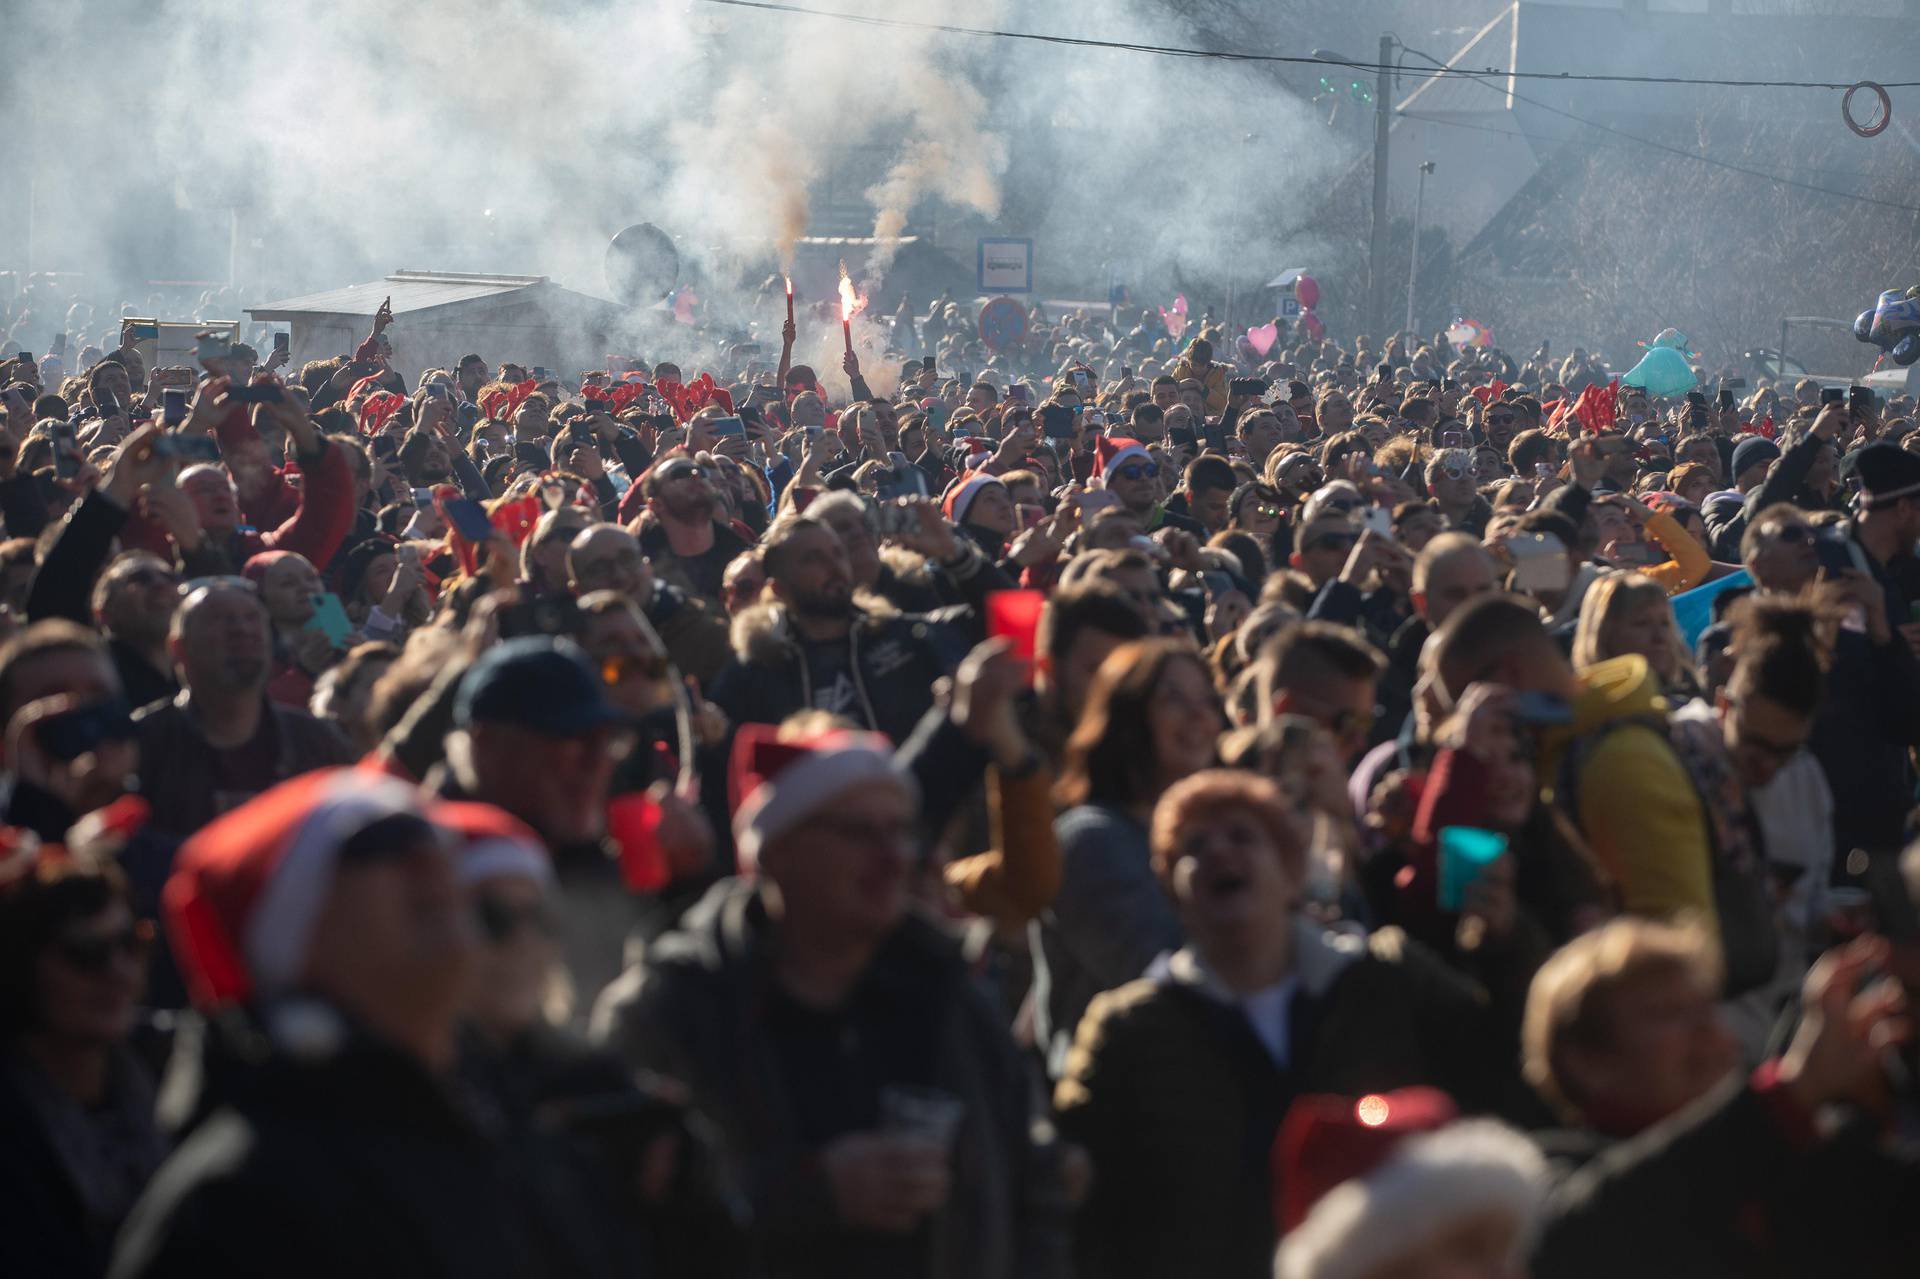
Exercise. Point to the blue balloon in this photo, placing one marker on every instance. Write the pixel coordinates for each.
(1907, 349)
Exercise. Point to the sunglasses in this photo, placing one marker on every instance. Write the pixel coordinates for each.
(1794, 535)
(500, 923)
(617, 670)
(1500, 419)
(1332, 542)
(95, 955)
(1137, 471)
(71, 734)
(691, 471)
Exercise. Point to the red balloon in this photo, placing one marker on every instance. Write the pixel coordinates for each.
(1306, 290)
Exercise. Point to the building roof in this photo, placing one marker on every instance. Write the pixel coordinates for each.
(411, 291)
(1493, 45)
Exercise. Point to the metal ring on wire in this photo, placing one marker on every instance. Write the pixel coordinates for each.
(1886, 110)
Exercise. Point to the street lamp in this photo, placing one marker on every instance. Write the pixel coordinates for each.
(1377, 230)
(1413, 271)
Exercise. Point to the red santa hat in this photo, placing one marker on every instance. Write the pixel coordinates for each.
(489, 841)
(779, 784)
(962, 491)
(246, 889)
(1110, 453)
(1362, 1183)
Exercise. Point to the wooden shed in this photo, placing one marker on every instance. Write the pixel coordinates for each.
(439, 316)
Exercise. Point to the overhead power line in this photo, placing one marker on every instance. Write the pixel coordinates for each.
(1592, 144)
(1226, 55)
(1682, 152)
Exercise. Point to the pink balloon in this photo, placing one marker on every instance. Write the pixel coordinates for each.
(1263, 338)
(1307, 290)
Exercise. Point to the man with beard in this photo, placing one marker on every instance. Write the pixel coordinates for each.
(687, 541)
(220, 742)
(1126, 470)
(811, 648)
(471, 375)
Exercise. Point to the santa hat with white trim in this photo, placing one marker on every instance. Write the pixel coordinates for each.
(962, 491)
(1111, 452)
(1396, 1170)
(490, 841)
(246, 888)
(779, 784)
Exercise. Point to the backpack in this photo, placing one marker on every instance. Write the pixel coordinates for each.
(1743, 896)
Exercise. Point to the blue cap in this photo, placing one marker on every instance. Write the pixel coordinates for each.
(536, 682)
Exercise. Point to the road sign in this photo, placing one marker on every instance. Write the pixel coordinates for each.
(1003, 324)
(1289, 308)
(1006, 266)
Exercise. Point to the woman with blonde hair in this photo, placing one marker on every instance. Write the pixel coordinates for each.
(1630, 613)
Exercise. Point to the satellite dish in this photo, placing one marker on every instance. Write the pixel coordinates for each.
(642, 264)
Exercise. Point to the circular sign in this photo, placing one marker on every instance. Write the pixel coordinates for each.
(642, 264)
(1886, 110)
(1003, 324)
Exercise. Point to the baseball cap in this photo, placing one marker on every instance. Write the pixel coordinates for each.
(536, 682)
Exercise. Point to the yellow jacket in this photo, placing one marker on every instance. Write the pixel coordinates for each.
(1634, 802)
(1214, 379)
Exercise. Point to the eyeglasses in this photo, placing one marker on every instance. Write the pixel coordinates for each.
(1332, 542)
(1137, 471)
(500, 922)
(95, 955)
(1500, 419)
(619, 669)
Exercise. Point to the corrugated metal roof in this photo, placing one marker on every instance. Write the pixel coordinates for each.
(411, 291)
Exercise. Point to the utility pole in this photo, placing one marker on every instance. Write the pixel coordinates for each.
(1376, 240)
(1419, 206)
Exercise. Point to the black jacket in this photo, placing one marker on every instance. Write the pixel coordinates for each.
(574, 1134)
(343, 1157)
(701, 1006)
(1724, 1188)
(184, 777)
(668, 567)
(891, 663)
(50, 1230)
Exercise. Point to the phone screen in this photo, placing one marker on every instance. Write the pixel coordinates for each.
(469, 519)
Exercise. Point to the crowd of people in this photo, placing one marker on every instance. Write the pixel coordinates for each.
(1122, 805)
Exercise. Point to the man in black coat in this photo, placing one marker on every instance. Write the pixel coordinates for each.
(1675, 1163)
(813, 648)
(321, 927)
